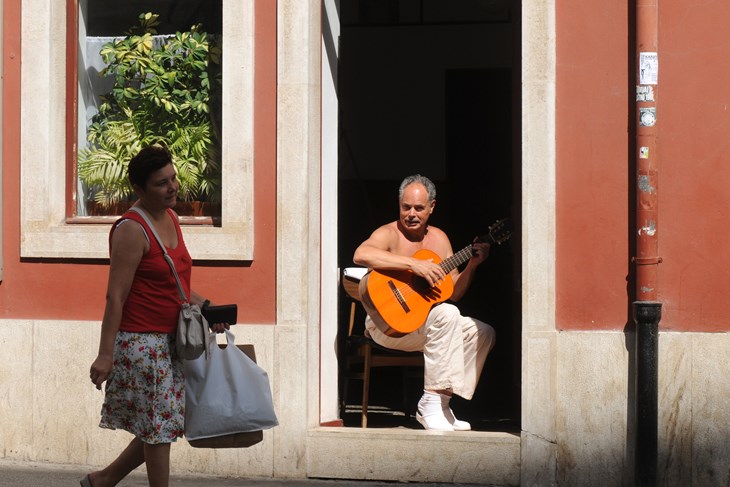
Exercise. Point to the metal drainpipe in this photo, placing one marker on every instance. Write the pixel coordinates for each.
(647, 310)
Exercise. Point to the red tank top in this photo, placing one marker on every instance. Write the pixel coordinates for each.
(153, 303)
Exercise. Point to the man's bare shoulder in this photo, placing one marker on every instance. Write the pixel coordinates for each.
(437, 233)
(437, 241)
(389, 230)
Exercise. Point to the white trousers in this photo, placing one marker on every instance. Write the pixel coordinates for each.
(454, 348)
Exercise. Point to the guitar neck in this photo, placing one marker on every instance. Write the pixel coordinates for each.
(500, 228)
(457, 259)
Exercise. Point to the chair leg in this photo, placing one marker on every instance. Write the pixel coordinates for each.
(366, 384)
(345, 387)
(404, 388)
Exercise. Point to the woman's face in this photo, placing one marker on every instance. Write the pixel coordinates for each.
(161, 188)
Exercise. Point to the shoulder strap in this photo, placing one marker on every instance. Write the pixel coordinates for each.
(122, 220)
(167, 257)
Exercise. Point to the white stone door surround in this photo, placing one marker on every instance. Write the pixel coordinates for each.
(538, 217)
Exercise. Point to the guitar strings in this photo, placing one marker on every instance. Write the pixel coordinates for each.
(447, 265)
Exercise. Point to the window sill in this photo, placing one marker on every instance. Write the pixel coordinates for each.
(108, 220)
(90, 241)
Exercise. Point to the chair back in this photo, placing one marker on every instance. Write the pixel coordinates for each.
(351, 283)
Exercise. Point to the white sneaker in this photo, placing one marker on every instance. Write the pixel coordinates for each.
(434, 422)
(431, 415)
(457, 424)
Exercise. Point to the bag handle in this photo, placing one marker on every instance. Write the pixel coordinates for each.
(167, 257)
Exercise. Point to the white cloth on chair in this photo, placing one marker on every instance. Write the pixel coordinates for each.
(454, 348)
(355, 273)
(351, 278)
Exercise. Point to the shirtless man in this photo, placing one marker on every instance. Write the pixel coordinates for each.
(454, 346)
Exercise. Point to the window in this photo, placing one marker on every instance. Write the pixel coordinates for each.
(49, 190)
(142, 76)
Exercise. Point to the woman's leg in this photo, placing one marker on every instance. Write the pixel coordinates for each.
(131, 458)
(157, 460)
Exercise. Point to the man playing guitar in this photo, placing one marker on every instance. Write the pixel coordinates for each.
(455, 347)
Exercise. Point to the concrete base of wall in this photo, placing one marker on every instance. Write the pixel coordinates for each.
(577, 415)
(49, 412)
(579, 409)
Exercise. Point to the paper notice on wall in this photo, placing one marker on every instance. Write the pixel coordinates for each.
(648, 68)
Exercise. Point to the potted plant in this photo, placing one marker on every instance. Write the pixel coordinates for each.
(164, 92)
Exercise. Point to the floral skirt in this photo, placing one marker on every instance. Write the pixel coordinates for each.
(145, 392)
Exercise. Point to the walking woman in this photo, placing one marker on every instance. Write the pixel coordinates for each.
(145, 387)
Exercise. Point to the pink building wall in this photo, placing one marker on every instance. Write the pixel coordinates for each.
(596, 171)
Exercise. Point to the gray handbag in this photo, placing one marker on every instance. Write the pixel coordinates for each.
(192, 328)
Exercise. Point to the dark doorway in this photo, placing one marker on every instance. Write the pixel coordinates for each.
(432, 88)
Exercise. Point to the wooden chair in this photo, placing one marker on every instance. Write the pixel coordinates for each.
(362, 351)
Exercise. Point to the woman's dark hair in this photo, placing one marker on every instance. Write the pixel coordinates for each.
(150, 159)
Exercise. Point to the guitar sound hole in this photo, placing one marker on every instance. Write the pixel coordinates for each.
(420, 285)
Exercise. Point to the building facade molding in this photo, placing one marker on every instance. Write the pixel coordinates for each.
(44, 232)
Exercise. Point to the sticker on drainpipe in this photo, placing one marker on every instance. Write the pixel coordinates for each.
(647, 117)
(644, 93)
(644, 153)
(648, 68)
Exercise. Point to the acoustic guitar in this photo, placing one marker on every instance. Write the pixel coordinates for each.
(398, 302)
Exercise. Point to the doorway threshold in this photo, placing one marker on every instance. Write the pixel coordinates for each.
(410, 455)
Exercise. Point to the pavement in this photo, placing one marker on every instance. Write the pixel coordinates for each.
(17, 473)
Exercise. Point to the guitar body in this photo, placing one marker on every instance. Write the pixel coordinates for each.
(398, 302)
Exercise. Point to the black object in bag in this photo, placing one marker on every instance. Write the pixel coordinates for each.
(224, 313)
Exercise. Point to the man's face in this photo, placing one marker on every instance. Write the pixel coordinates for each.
(415, 208)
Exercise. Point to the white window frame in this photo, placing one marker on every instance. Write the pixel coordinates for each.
(44, 231)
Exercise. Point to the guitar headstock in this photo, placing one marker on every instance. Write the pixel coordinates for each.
(499, 232)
